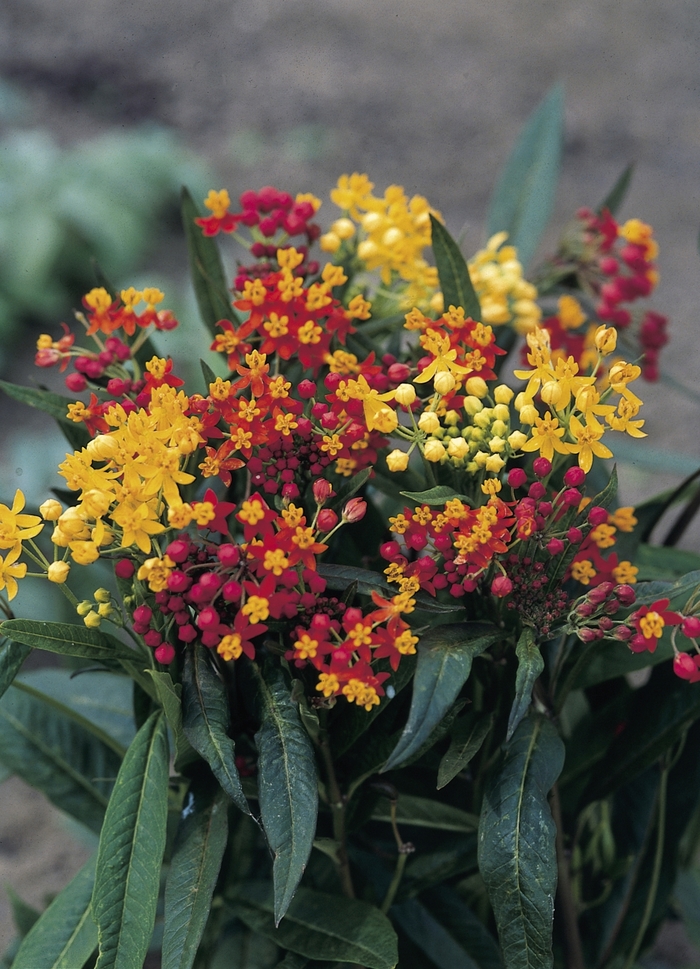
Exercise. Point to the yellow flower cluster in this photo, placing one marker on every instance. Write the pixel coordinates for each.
(504, 295)
(394, 232)
(14, 529)
(570, 425)
(127, 477)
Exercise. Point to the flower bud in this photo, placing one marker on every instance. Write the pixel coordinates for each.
(625, 594)
(503, 394)
(555, 546)
(542, 467)
(457, 447)
(477, 387)
(575, 536)
(124, 569)
(690, 627)
(528, 414)
(307, 389)
(551, 393)
(102, 595)
(405, 394)
(58, 572)
(434, 451)
(501, 586)
(322, 490)
(165, 654)
(597, 515)
(51, 510)
(327, 520)
(600, 593)
(92, 620)
(428, 422)
(574, 477)
(355, 510)
(516, 478)
(397, 460)
(605, 339)
(444, 382)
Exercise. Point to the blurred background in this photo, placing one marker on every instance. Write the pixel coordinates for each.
(106, 108)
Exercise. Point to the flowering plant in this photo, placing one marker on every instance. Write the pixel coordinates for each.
(365, 493)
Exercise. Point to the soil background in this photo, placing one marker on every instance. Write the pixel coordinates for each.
(431, 95)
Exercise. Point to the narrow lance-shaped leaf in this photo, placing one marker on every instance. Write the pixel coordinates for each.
(339, 577)
(131, 851)
(65, 936)
(445, 656)
(50, 403)
(530, 665)
(170, 698)
(453, 272)
(468, 735)
(207, 269)
(435, 939)
(616, 196)
(287, 785)
(194, 869)
(322, 926)
(524, 196)
(67, 639)
(517, 854)
(49, 750)
(12, 655)
(206, 719)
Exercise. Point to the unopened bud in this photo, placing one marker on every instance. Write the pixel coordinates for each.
(397, 460)
(444, 382)
(51, 510)
(322, 490)
(355, 510)
(58, 572)
(405, 394)
(327, 519)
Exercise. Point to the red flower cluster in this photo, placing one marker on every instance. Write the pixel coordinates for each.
(270, 210)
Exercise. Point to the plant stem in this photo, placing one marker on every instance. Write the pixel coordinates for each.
(395, 882)
(567, 902)
(656, 872)
(337, 803)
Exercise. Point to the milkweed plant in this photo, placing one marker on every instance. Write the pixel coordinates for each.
(408, 686)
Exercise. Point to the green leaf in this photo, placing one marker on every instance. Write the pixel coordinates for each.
(293, 961)
(449, 909)
(517, 856)
(445, 656)
(287, 785)
(207, 269)
(54, 754)
(423, 928)
(530, 665)
(65, 936)
(616, 196)
(458, 856)
(339, 577)
(131, 849)
(170, 698)
(435, 496)
(24, 915)
(68, 639)
(453, 272)
(207, 373)
(206, 720)
(239, 948)
(53, 404)
(322, 926)
(659, 714)
(12, 655)
(194, 869)
(422, 812)
(524, 196)
(468, 735)
(99, 700)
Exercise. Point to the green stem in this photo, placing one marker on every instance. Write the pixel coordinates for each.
(565, 895)
(395, 882)
(337, 804)
(656, 873)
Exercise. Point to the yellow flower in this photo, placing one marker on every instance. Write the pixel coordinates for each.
(546, 437)
(587, 441)
(14, 527)
(9, 572)
(58, 572)
(397, 460)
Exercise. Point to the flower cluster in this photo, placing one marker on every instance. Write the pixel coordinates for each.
(218, 508)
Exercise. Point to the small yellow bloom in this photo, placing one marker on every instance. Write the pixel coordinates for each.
(58, 572)
(51, 510)
(397, 460)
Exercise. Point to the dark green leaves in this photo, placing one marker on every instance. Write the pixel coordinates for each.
(58, 756)
(322, 926)
(530, 665)
(53, 404)
(455, 281)
(339, 577)
(194, 868)
(445, 656)
(468, 734)
(517, 856)
(12, 655)
(205, 720)
(66, 638)
(435, 496)
(131, 851)
(65, 936)
(524, 196)
(287, 785)
(207, 268)
(616, 196)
